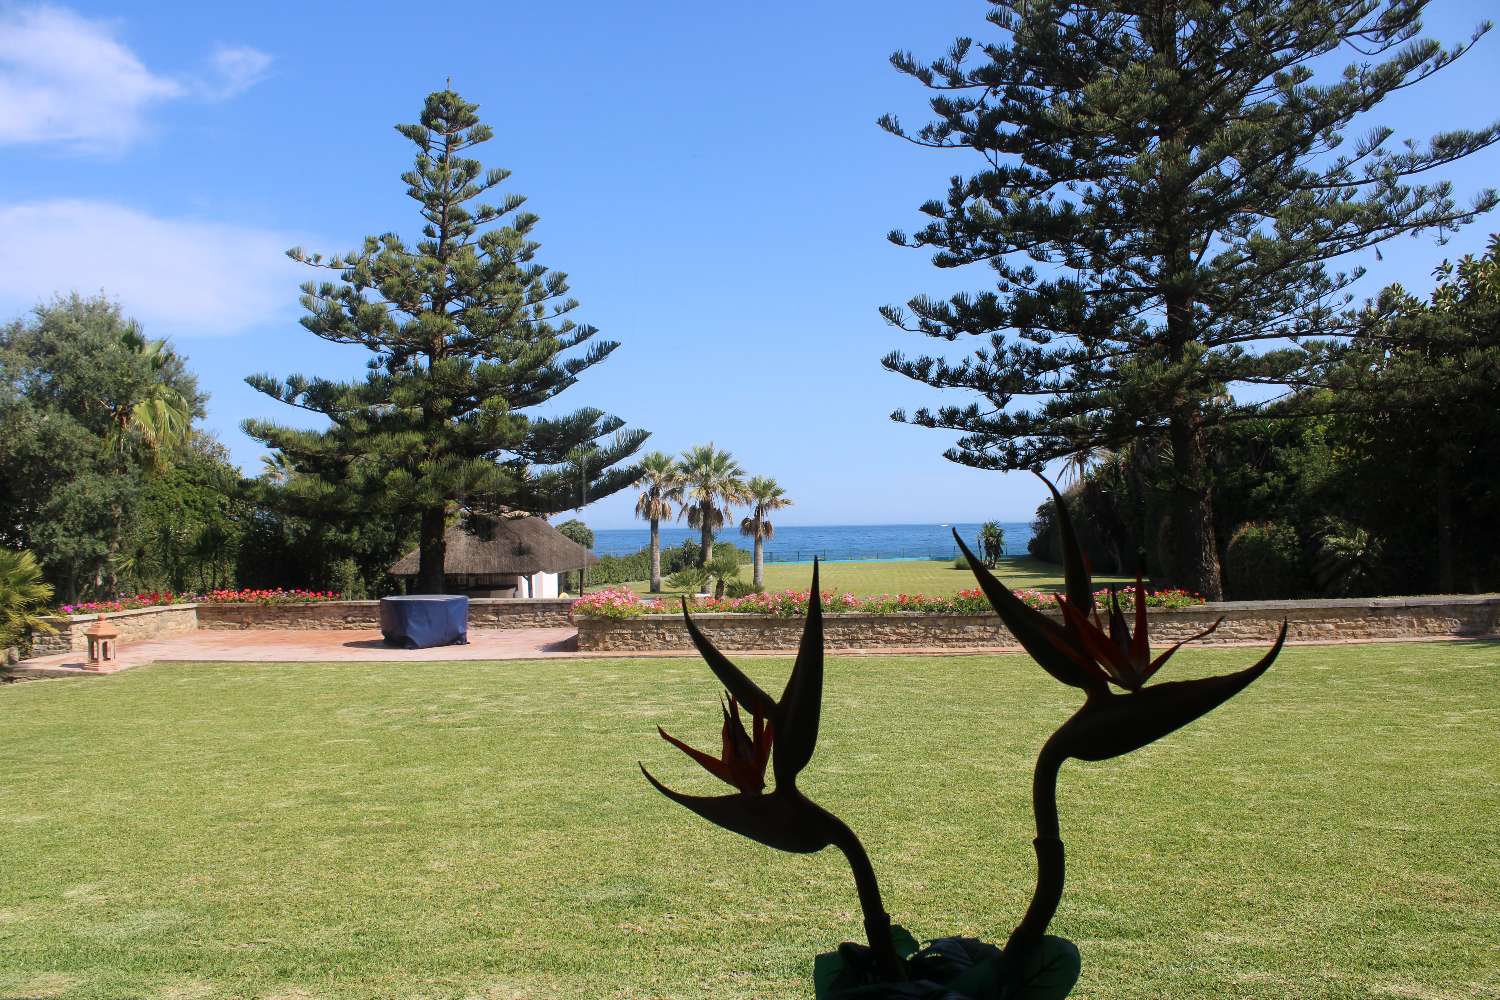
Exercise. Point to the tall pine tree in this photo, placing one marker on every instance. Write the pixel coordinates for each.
(468, 333)
(1165, 186)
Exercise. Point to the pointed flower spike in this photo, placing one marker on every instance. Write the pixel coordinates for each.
(1080, 588)
(802, 700)
(1155, 664)
(1119, 632)
(747, 691)
(1049, 645)
(1097, 645)
(714, 766)
(1140, 642)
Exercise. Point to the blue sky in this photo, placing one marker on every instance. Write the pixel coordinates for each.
(710, 176)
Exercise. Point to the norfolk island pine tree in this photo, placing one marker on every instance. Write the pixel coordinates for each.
(468, 333)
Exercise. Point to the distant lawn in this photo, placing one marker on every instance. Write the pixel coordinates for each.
(480, 831)
(898, 576)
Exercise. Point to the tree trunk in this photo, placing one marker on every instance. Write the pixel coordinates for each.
(1196, 559)
(1444, 500)
(431, 552)
(706, 524)
(759, 576)
(655, 555)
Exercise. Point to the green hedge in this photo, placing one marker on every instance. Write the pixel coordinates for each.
(1264, 562)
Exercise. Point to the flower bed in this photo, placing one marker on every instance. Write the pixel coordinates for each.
(623, 603)
(157, 599)
(277, 596)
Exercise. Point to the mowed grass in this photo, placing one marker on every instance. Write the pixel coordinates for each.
(480, 830)
(901, 576)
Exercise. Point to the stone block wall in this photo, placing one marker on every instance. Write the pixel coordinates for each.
(1244, 621)
(133, 626)
(176, 619)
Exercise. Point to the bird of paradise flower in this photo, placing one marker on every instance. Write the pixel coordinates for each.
(1081, 653)
(785, 732)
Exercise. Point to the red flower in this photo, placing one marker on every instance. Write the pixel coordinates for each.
(1120, 657)
(742, 761)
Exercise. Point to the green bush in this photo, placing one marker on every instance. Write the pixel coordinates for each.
(1264, 562)
(689, 579)
(23, 598)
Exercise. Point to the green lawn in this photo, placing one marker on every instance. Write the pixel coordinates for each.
(480, 831)
(903, 576)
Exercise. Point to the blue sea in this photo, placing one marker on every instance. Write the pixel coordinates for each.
(800, 543)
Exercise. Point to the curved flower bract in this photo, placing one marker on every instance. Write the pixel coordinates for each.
(1087, 654)
(786, 729)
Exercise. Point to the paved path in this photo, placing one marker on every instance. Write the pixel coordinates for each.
(310, 646)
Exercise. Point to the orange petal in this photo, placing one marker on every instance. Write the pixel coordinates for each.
(712, 765)
(1097, 644)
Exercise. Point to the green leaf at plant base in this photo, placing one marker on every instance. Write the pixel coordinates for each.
(953, 968)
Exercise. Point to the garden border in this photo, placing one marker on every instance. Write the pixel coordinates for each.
(1366, 619)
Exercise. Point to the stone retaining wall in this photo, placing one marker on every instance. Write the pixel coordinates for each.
(484, 612)
(1244, 621)
(133, 626)
(175, 619)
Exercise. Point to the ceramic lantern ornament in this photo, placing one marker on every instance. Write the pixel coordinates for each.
(1110, 662)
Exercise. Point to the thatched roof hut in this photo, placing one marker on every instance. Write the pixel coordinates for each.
(519, 547)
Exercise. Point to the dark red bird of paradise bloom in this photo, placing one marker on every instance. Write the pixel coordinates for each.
(786, 731)
(742, 761)
(1080, 652)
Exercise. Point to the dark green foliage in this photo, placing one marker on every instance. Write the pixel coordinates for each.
(24, 596)
(287, 542)
(1263, 562)
(577, 531)
(186, 532)
(468, 333)
(1160, 190)
(581, 533)
(736, 587)
(91, 413)
(637, 566)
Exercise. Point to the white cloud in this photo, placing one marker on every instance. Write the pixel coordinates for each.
(236, 69)
(68, 79)
(178, 277)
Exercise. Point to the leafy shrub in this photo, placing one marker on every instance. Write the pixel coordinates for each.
(1347, 563)
(1263, 562)
(23, 595)
(739, 588)
(689, 579)
(348, 580)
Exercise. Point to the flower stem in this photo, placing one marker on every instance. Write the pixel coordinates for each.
(877, 921)
(1049, 858)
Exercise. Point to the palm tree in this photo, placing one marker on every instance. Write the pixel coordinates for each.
(662, 488)
(763, 496)
(991, 542)
(713, 484)
(23, 598)
(160, 419)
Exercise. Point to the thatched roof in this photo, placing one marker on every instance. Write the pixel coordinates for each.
(519, 546)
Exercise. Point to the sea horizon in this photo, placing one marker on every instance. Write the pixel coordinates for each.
(830, 542)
